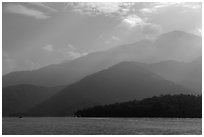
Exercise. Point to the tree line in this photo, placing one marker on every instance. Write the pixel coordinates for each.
(172, 106)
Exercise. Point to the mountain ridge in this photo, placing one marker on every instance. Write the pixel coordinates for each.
(122, 82)
(143, 51)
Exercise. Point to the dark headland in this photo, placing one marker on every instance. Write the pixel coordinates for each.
(167, 106)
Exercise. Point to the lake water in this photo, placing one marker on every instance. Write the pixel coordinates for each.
(98, 126)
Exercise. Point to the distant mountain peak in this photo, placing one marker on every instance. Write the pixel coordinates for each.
(177, 33)
(176, 45)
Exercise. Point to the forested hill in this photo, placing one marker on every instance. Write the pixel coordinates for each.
(181, 106)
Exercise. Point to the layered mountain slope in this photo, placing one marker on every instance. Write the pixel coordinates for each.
(186, 74)
(122, 82)
(19, 99)
(175, 45)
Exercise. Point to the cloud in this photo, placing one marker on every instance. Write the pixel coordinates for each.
(130, 29)
(48, 48)
(71, 47)
(70, 52)
(115, 38)
(23, 10)
(103, 7)
(132, 20)
(146, 10)
(106, 8)
(174, 16)
(199, 31)
(192, 5)
(73, 54)
(70, 55)
(155, 7)
(43, 5)
(134, 28)
(136, 23)
(111, 41)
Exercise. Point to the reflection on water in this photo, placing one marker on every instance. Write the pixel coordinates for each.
(97, 126)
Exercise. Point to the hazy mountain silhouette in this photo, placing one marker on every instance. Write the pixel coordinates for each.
(186, 74)
(19, 99)
(122, 82)
(176, 45)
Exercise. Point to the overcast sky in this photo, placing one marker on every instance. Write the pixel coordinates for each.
(39, 34)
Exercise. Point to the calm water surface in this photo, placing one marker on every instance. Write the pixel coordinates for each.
(97, 126)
